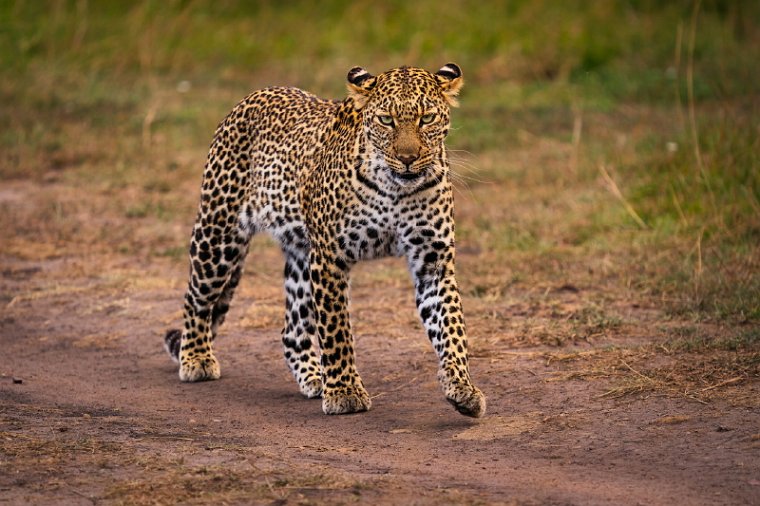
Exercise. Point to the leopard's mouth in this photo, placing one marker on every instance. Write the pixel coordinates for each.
(407, 176)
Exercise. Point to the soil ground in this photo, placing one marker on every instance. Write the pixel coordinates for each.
(92, 411)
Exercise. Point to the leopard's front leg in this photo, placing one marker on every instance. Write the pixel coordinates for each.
(431, 262)
(343, 391)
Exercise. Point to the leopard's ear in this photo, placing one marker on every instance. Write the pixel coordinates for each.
(450, 78)
(360, 84)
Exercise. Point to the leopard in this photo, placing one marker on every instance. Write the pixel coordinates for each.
(334, 182)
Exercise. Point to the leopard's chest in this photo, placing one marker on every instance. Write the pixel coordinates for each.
(366, 233)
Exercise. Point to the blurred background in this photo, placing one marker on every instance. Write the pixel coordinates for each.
(610, 145)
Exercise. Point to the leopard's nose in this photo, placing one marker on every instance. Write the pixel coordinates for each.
(408, 158)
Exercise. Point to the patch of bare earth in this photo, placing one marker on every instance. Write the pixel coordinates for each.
(590, 402)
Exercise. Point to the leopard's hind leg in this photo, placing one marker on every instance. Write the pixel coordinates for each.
(173, 337)
(217, 255)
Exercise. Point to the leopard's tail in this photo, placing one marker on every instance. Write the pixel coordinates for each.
(171, 343)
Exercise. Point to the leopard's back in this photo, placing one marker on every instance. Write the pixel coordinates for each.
(259, 152)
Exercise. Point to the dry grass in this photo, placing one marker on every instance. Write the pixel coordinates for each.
(198, 485)
(150, 466)
(154, 476)
(701, 373)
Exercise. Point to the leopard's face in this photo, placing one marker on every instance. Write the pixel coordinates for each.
(405, 113)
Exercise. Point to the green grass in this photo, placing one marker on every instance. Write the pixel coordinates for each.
(123, 97)
(693, 339)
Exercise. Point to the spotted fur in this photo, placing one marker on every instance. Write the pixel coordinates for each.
(334, 182)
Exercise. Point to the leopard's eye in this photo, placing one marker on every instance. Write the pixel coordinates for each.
(385, 119)
(427, 119)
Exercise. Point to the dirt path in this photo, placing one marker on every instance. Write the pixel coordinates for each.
(91, 410)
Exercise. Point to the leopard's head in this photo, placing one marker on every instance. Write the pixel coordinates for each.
(405, 114)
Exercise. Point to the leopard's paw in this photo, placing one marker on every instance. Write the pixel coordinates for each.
(344, 400)
(470, 402)
(200, 368)
(464, 396)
